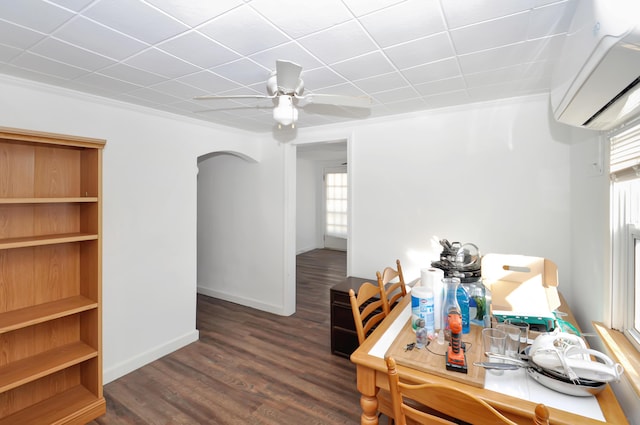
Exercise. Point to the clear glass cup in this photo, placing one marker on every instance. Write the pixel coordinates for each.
(493, 341)
(512, 340)
(524, 331)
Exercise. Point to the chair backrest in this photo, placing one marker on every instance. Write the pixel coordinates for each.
(449, 401)
(367, 317)
(393, 292)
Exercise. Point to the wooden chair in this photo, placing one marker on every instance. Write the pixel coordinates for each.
(392, 292)
(367, 313)
(367, 317)
(453, 404)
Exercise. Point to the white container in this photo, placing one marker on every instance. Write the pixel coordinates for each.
(422, 308)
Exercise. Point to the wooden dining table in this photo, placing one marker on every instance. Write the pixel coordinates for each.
(371, 372)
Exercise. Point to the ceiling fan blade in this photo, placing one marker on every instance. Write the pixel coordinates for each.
(237, 96)
(288, 75)
(338, 100)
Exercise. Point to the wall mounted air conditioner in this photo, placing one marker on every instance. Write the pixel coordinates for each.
(595, 83)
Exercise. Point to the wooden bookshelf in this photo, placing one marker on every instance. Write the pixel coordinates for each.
(50, 278)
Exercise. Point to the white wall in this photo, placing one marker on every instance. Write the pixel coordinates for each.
(590, 247)
(241, 210)
(307, 206)
(495, 174)
(149, 212)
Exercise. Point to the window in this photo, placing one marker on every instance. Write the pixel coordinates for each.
(336, 204)
(625, 235)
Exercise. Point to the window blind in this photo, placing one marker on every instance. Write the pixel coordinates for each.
(625, 154)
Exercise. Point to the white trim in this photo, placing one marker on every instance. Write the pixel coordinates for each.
(133, 363)
(244, 301)
(633, 268)
(289, 226)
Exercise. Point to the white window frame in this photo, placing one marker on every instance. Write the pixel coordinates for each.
(632, 319)
(625, 233)
(327, 232)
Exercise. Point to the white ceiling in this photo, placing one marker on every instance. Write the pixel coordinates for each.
(406, 55)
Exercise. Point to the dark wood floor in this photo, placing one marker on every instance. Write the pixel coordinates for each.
(249, 367)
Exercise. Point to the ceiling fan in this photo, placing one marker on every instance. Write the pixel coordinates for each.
(285, 87)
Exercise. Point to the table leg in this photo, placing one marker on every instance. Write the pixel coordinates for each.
(366, 378)
(369, 406)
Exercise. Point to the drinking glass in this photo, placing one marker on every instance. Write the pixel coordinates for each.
(524, 331)
(512, 340)
(493, 341)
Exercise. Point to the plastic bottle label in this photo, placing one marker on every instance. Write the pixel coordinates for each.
(422, 308)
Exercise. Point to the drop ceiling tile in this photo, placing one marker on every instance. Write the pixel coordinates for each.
(461, 13)
(550, 20)
(494, 58)
(490, 34)
(177, 89)
(199, 50)
(503, 90)
(346, 89)
(442, 100)
(208, 82)
(75, 5)
(298, 19)
(28, 74)
(404, 22)
(495, 76)
(441, 86)
(34, 14)
(231, 30)
(70, 54)
(289, 51)
(135, 100)
(155, 60)
(47, 66)
(546, 48)
(530, 51)
(136, 19)
(364, 66)
(99, 39)
(446, 68)
(350, 36)
(105, 82)
(379, 83)
(362, 7)
(321, 77)
(396, 95)
(8, 53)
(243, 72)
(421, 51)
(406, 105)
(133, 75)
(154, 96)
(194, 13)
(15, 36)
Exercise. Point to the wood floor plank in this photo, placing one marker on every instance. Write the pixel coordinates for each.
(249, 366)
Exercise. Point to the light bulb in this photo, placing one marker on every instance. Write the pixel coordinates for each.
(285, 112)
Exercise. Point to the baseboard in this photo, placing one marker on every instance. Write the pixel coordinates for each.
(127, 366)
(248, 302)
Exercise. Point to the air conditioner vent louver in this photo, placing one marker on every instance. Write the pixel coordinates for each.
(599, 65)
(612, 101)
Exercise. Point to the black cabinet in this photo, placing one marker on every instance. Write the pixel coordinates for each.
(344, 339)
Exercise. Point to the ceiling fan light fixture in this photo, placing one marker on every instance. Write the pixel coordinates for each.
(285, 113)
